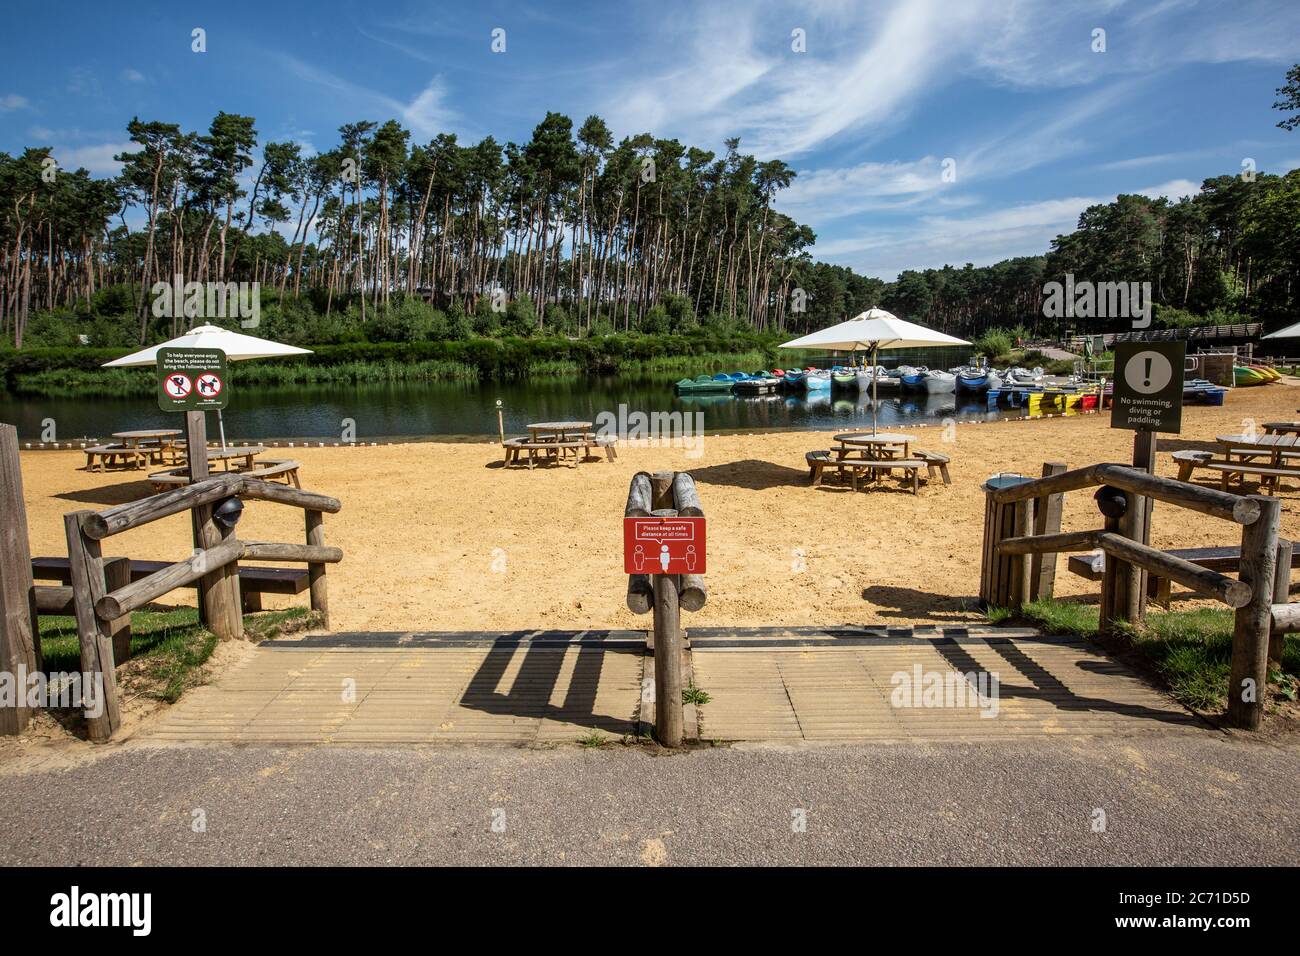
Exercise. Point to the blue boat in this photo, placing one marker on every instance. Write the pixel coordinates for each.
(914, 378)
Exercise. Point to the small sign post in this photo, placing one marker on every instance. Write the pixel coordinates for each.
(1148, 399)
(192, 380)
(1149, 386)
(661, 545)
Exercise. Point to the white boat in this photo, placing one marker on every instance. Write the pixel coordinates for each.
(938, 383)
(1024, 376)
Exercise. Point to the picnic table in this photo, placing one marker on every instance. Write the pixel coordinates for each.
(231, 453)
(555, 441)
(1281, 428)
(876, 447)
(1276, 446)
(159, 441)
(558, 431)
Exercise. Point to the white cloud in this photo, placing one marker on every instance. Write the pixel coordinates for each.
(931, 242)
(97, 159)
(12, 101)
(133, 76)
(425, 115)
(717, 73)
(1173, 190)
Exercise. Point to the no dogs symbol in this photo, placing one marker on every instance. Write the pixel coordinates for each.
(209, 385)
(178, 386)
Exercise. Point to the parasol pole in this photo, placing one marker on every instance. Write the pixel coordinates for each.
(221, 429)
(874, 375)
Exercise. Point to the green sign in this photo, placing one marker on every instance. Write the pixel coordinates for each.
(1148, 386)
(192, 380)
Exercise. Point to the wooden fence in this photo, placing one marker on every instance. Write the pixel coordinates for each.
(1013, 537)
(214, 566)
(666, 494)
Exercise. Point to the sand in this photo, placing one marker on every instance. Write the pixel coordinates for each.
(438, 536)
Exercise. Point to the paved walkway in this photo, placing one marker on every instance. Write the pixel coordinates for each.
(764, 684)
(1189, 799)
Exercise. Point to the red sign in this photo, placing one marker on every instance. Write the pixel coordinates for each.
(663, 545)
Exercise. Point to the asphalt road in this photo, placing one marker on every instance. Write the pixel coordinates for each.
(1184, 799)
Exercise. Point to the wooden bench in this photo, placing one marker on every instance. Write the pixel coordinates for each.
(1189, 460)
(819, 461)
(1092, 566)
(934, 462)
(556, 450)
(270, 469)
(133, 457)
(253, 581)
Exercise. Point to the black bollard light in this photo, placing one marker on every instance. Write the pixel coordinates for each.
(227, 513)
(1111, 502)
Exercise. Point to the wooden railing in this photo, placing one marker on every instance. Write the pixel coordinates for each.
(1258, 596)
(101, 604)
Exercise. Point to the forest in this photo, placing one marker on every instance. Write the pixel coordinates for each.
(567, 235)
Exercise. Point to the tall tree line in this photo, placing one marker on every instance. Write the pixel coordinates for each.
(605, 229)
(578, 233)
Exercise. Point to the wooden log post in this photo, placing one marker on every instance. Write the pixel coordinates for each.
(668, 661)
(86, 569)
(1281, 595)
(1144, 460)
(1130, 580)
(117, 574)
(219, 606)
(1047, 520)
(1003, 575)
(320, 601)
(1248, 682)
(1106, 607)
(19, 626)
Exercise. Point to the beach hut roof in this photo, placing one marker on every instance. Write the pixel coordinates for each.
(1290, 332)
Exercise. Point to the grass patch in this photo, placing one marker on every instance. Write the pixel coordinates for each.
(594, 741)
(1190, 650)
(168, 648)
(694, 695)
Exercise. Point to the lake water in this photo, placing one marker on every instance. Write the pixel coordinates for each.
(467, 410)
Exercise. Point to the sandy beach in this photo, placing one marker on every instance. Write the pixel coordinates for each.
(439, 536)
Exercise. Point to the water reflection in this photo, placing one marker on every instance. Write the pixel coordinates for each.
(468, 409)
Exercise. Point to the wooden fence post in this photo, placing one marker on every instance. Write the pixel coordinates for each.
(219, 606)
(1248, 682)
(668, 661)
(1047, 520)
(1281, 595)
(86, 569)
(19, 634)
(320, 601)
(1109, 579)
(117, 574)
(1003, 575)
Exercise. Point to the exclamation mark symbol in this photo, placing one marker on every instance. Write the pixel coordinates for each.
(1147, 383)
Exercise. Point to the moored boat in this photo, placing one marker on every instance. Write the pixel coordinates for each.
(703, 385)
(977, 379)
(937, 382)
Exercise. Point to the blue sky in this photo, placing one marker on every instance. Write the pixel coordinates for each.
(1038, 124)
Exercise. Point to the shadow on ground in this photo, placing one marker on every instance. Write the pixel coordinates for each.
(751, 473)
(533, 688)
(118, 494)
(911, 604)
